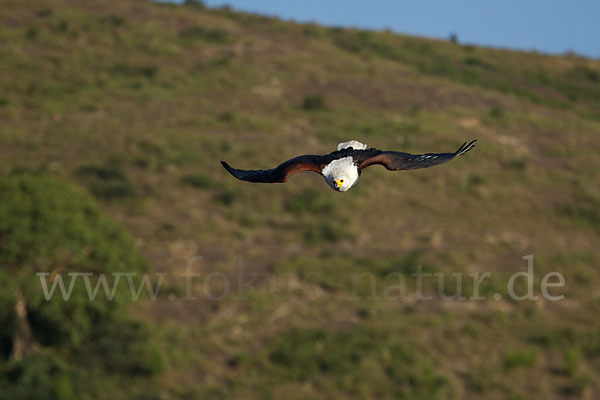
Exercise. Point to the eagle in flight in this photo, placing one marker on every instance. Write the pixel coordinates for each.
(342, 168)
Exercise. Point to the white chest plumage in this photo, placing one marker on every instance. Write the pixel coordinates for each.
(341, 174)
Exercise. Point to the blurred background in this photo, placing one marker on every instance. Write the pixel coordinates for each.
(115, 116)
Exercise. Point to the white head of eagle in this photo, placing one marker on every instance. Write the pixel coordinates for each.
(341, 174)
(342, 168)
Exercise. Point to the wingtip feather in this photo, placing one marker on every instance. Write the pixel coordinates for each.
(465, 147)
(227, 167)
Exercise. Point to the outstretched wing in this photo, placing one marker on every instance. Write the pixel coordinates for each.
(396, 161)
(281, 173)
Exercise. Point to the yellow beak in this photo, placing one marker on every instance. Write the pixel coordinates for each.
(339, 182)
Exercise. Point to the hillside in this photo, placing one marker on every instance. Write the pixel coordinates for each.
(137, 102)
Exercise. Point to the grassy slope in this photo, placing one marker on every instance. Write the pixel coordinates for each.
(139, 101)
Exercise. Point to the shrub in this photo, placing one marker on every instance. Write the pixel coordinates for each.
(50, 227)
(45, 12)
(585, 209)
(326, 231)
(477, 62)
(313, 102)
(129, 71)
(310, 201)
(195, 3)
(346, 357)
(571, 362)
(122, 347)
(227, 116)
(198, 181)
(227, 197)
(497, 112)
(47, 226)
(312, 30)
(37, 377)
(106, 182)
(520, 358)
(215, 35)
(113, 19)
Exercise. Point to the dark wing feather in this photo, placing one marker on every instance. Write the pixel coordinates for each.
(281, 173)
(396, 161)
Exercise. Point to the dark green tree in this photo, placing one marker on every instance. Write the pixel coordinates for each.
(50, 227)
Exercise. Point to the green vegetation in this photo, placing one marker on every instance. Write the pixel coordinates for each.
(52, 228)
(123, 112)
(198, 181)
(524, 358)
(313, 102)
(106, 182)
(343, 359)
(209, 35)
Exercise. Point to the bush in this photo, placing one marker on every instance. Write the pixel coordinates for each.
(585, 209)
(347, 357)
(310, 201)
(37, 377)
(123, 347)
(227, 197)
(497, 112)
(198, 181)
(195, 3)
(313, 102)
(477, 62)
(571, 362)
(113, 20)
(50, 227)
(106, 182)
(215, 35)
(522, 358)
(132, 71)
(326, 231)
